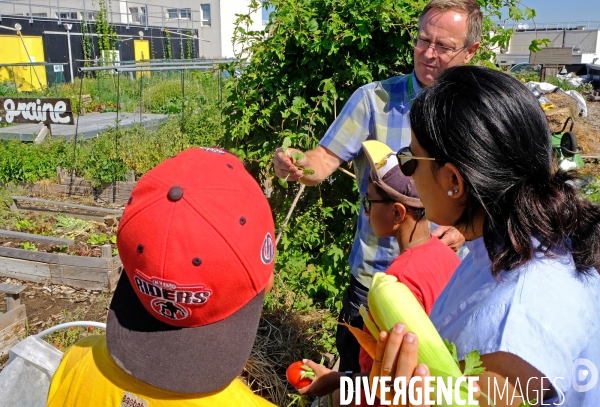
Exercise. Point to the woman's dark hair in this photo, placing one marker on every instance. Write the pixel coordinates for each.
(493, 130)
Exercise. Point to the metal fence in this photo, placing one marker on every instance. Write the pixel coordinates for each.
(558, 26)
(127, 12)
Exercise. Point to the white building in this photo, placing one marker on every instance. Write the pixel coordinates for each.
(582, 38)
(214, 19)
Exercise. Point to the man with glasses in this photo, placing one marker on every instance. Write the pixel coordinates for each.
(449, 35)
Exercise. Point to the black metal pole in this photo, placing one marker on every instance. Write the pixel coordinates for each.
(182, 98)
(75, 137)
(116, 140)
(141, 94)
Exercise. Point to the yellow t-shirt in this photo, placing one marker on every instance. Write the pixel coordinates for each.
(87, 376)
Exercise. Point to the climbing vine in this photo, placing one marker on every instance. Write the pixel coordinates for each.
(169, 52)
(188, 43)
(107, 37)
(86, 43)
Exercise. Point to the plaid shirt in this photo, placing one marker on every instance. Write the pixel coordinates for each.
(377, 111)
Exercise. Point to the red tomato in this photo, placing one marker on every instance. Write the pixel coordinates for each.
(294, 375)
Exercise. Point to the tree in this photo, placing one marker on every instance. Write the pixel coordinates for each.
(297, 74)
(291, 80)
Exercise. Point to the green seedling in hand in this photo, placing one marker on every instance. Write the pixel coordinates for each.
(295, 156)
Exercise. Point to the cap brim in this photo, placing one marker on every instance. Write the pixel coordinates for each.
(185, 360)
(377, 153)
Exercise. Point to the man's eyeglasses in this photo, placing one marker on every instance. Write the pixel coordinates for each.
(408, 162)
(422, 44)
(367, 202)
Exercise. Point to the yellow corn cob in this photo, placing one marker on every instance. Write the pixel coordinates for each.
(391, 302)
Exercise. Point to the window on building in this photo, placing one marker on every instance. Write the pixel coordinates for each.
(39, 14)
(138, 15)
(90, 15)
(185, 13)
(143, 15)
(134, 15)
(71, 16)
(205, 9)
(181, 13)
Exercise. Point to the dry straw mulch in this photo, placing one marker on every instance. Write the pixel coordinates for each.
(284, 336)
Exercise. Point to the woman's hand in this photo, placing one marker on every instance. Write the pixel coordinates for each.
(326, 381)
(396, 356)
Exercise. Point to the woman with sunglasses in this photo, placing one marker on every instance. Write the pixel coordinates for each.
(527, 297)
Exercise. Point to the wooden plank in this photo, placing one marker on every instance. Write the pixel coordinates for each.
(28, 255)
(36, 238)
(115, 262)
(91, 278)
(113, 277)
(11, 288)
(97, 218)
(552, 56)
(34, 110)
(24, 270)
(67, 205)
(12, 328)
(10, 317)
(81, 261)
(78, 273)
(88, 278)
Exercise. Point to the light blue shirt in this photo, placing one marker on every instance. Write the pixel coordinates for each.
(544, 312)
(376, 111)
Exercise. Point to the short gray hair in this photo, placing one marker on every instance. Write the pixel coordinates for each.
(469, 7)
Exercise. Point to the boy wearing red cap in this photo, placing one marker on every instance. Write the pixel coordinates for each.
(196, 241)
(424, 264)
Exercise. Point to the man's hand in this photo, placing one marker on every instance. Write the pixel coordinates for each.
(326, 381)
(284, 167)
(320, 160)
(450, 237)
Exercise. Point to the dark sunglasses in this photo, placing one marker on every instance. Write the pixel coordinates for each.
(408, 162)
(368, 202)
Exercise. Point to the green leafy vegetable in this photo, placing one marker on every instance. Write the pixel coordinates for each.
(297, 156)
(286, 143)
(473, 364)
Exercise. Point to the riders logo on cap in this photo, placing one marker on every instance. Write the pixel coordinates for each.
(267, 252)
(169, 299)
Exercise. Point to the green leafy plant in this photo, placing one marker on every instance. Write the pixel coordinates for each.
(24, 225)
(295, 156)
(97, 240)
(167, 51)
(107, 36)
(65, 338)
(70, 223)
(29, 246)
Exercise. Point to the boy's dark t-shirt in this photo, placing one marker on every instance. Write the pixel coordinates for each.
(425, 269)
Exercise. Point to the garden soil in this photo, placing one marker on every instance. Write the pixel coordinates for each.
(586, 129)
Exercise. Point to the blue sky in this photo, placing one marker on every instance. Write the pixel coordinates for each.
(552, 11)
(556, 11)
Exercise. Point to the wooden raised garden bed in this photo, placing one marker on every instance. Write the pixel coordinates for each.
(12, 322)
(92, 273)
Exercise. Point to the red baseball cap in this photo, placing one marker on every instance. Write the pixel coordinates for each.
(196, 242)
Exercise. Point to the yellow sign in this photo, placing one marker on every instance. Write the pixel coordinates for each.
(15, 50)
